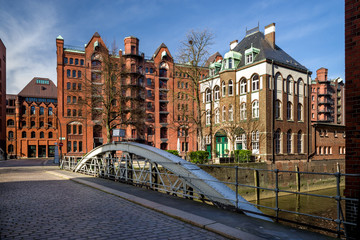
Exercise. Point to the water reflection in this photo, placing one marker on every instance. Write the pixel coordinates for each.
(319, 206)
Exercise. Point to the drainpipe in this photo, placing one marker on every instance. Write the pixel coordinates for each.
(272, 112)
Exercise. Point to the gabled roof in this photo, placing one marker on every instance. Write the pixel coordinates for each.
(39, 89)
(257, 40)
(162, 45)
(212, 58)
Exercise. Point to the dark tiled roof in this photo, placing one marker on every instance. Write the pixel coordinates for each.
(258, 41)
(212, 59)
(158, 49)
(34, 89)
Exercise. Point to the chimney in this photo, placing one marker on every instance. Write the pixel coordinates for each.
(233, 44)
(270, 34)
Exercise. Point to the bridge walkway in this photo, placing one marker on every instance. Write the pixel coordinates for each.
(229, 224)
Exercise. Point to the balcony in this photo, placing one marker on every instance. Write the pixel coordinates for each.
(134, 54)
(163, 97)
(324, 93)
(326, 101)
(328, 111)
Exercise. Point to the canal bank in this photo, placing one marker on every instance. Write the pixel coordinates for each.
(256, 181)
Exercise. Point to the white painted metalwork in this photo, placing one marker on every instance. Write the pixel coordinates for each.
(157, 169)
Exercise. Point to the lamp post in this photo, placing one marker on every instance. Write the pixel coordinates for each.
(60, 144)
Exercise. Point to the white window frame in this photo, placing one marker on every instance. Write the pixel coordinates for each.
(217, 116)
(289, 111)
(243, 111)
(243, 86)
(249, 58)
(255, 83)
(208, 95)
(223, 115)
(216, 93)
(231, 113)
(289, 148)
(231, 88)
(255, 109)
(223, 89)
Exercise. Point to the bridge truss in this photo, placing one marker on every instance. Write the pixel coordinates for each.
(146, 166)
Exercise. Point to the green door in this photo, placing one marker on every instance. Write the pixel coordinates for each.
(238, 146)
(221, 146)
(208, 148)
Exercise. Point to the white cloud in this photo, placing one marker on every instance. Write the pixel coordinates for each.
(30, 45)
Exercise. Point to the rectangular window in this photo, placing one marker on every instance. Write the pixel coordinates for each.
(79, 74)
(68, 112)
(74, 86)
(74, 129)
(74, 99)
(65, 60)
(82, 62)
(68, 99)
(68, 73)
(74, 146)
(80, 129)
(80, 146)
(76, 61)
(80, 113)
(71, 61)
(68, 146)
(68, 129)
(68, 85)
(74, 112)
(74, 73)
(148, 81)
(79, 86)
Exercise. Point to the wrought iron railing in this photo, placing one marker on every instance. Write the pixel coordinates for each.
(141, 172)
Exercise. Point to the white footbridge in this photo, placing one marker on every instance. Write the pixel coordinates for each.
(159, 170)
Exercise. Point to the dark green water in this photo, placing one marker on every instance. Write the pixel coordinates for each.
(323, 207)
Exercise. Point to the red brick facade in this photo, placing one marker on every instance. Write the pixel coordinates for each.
(327, 99)
(352, 75)
(2, 100)
(31, 122)
(165, 91)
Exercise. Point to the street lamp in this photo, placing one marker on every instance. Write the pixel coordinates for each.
(60, 144)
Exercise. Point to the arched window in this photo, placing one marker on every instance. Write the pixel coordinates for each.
(243, 111)
(11, 148)
(32, 134)
(208, 95)
(41, 134)
(243, 86)
(23, 134)
(231, 113)
(299, 112)
(11, 135)
(278, 83)
(290, 85)
(299, 142)
(32, 110)
(255, 83)
(32, 124)
(255, 142)
(223, 89)
(207, 117)
(277, 109)
(289, 111)
(277, 141)
(301, 87)
(230, 87)
(217, 93)
(289, 142)
(50, 135)
(41, 124)
(95, 64)
(10, 122)
(224, 114)
(217, 116)
(41, 111)
(255, 109)
(50, 111)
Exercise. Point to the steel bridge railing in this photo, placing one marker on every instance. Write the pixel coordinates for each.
(155, 177)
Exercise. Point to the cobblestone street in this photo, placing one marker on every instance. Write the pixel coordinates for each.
(38, 205)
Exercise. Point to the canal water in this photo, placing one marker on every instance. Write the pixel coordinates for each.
(319, 206)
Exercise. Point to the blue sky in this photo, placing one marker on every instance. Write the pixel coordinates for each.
(312, 32)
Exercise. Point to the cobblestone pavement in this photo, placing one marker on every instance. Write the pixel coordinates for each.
(37, 205)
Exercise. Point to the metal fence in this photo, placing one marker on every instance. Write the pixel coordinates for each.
(155, 177)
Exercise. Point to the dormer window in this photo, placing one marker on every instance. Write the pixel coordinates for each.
(231, 60)
(230, 63)
(249, 58)
(250, 54)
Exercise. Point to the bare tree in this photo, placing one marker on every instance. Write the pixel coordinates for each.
(193, 54)
(113, 93)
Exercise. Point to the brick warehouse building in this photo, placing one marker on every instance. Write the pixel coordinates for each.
(163, 90)
(257, 91)
(327, 117)
(31, 122)
(352, 74)
(2, 100)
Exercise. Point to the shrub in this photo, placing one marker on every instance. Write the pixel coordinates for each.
(175, 152)
(242, 155)
(199, 157)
